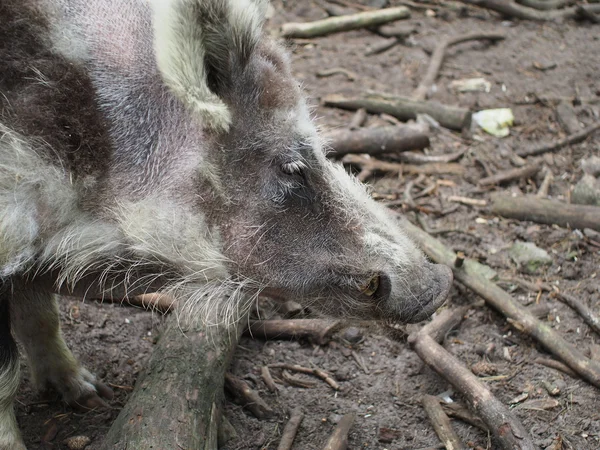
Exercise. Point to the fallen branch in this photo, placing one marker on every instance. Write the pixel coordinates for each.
(458, 411)
(369, 166)
(153, 302)
(419, 158)
(247, 397)
(344, 23)
(510, 175)
(441, 423)
(375, 141)
(316, 372)
(471, 274)
(186, 412)
(554, 364)
(339, 438)
(545, 186)
(549, 212)
(467, 201)
(290, 430)
(570, 139)
(403, 108)
(358, 119)
(265, 373)
(315, 330)
(511, 9)
(437, 58)
(508, 431)
(544, 5)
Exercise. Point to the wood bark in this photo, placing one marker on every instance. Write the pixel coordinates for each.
(549, 212)
(176, 402)
(376, 141)
(441, 423)
(511, 9)
(344, 23)
(403, 108)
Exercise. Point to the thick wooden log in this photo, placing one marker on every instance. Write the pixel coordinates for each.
(375, 141)
(404, 108)
(177, 400)
(549, 212)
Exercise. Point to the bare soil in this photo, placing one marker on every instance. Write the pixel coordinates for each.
(115, 341)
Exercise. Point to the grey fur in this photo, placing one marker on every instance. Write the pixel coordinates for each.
(171, 149)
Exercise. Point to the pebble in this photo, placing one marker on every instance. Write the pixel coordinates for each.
(77, 442)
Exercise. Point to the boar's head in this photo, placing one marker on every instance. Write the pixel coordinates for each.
(288, 219)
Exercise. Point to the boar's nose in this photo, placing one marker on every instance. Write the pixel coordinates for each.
(430, 289)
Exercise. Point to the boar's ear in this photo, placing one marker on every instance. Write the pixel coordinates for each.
(200, 44)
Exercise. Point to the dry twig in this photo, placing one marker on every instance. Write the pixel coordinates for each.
(545, 186)
(441, 423)
(511, 9)
(290, 430)
(247, 397)
(570, 139)
(339, 438)
(316, 372)
(344, 23)
(419, 158)
(438, 57)
(316, 330)
(554, 364)
(265, 373)
(467, 201)
(510, 175)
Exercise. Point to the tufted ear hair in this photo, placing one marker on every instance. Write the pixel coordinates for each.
(200, 45)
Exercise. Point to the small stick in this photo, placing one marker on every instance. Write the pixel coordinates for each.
(375, 141)
(419, 158)
(438, 57)
(441, 423)
(544, 5)
(358, 119)
(471, 274)
(247, 397)
(268, 379)
(339, 438)
(510, 175)
(511, 9)
(374, 165)
(554, 364)
(155, 301)
(290, 430)
(384, 46)
(316, 330)
(570, 139)
(360, 362)
(545, 186)
(467, 200)
(545, 211)
(344, 23)
(403, 108)
(461, 412)
(443, 323)
(336, 70)
(316, 372)
(294, 381)
(580, 308)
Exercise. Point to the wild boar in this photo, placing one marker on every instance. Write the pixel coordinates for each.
(165, 146)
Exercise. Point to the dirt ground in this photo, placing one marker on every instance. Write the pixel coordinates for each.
(535, 67)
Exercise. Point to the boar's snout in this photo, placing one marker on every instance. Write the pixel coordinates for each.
(424, 294)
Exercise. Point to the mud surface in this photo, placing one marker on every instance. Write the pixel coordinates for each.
(531, 71)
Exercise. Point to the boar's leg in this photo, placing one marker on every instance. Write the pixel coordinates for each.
(10, 437)
(35, 322)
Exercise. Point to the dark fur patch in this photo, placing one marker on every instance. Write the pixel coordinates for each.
(46, 97)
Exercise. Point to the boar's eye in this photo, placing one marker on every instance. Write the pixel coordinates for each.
(293, 167)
